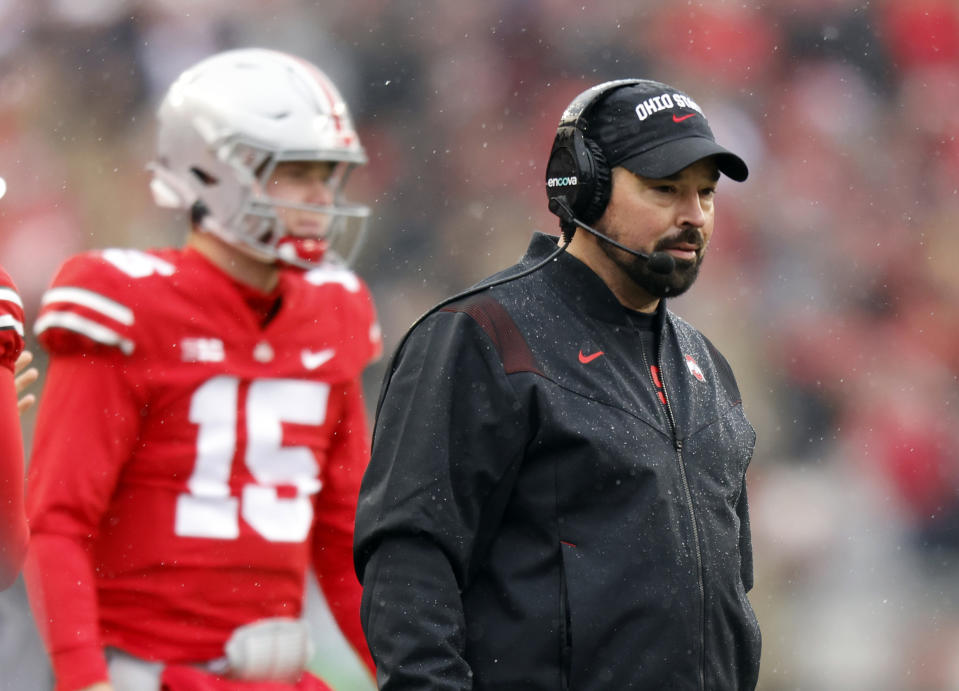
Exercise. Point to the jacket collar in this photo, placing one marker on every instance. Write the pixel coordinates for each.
(579, 284)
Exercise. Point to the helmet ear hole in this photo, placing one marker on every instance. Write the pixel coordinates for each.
(197, 212)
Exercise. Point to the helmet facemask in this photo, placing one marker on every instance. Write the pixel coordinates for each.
(259, 224)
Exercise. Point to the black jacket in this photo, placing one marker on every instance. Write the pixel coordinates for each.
(534, 517)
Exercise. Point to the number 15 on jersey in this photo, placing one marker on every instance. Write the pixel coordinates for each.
(208, 509)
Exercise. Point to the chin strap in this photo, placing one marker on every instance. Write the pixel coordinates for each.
(311, 250)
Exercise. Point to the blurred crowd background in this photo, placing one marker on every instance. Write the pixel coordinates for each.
(831, 285)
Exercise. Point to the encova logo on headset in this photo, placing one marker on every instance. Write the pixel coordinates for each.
(562, 182)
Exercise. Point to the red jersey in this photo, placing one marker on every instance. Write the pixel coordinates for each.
(13, 525)
(11, 322)
(190, 463)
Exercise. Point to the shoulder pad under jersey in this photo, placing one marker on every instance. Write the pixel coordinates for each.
(90, 303)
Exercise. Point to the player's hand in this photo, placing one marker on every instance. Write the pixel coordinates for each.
(99, 686)
(23, 378)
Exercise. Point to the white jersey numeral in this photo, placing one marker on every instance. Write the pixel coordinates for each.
(208, 509)
(137, 264)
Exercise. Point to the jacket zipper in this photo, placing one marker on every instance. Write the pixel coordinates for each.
(566, 651)
(678, 446)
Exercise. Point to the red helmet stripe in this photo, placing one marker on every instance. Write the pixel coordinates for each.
(326, 87)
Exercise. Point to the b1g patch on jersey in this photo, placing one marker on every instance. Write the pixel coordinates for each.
(202, 350)
(694, 368)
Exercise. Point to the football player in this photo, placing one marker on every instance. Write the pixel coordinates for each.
(202, 433)
(13, 358)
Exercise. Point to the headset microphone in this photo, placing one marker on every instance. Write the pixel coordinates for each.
(658, 262)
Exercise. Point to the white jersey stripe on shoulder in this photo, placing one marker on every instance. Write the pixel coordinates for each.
(94, 301)
(9, 322)
(10, 295)
(83, 326)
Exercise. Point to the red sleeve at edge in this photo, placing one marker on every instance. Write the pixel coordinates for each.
(13, 520)
(66, 500)
(336, 513)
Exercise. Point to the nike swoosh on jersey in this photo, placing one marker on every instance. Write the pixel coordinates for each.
(314, 358)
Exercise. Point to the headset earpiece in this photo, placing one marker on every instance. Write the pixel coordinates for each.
(596, 197)
(577, 169)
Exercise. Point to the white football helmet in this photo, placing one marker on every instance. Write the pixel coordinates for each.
(226, 123)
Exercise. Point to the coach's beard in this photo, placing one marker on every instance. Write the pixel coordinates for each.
(677, 281)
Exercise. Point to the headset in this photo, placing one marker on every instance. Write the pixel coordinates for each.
(577, 172)
(578, 184)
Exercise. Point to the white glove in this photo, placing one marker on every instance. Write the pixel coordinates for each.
(270, 650)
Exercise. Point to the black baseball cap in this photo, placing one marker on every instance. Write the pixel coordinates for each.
(655, 130)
